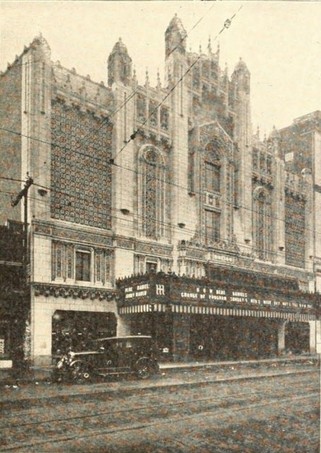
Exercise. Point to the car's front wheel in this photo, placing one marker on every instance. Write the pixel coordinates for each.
(144, 369)
(81, 373)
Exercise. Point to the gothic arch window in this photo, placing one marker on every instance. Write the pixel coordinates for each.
(263, 223)
(152, 193)
(212, 168)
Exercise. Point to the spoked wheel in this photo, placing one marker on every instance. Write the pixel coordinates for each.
(143, 369)
(81, 373)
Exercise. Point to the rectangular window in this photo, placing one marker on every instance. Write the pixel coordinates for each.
(212, 177)
(151, 266)
(212, 226)
(83, 265)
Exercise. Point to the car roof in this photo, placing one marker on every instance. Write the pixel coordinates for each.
(127, 337)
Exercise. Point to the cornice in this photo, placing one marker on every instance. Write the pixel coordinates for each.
(74, 292)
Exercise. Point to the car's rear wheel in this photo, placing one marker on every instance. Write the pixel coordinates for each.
(81, 373)
(144, 369)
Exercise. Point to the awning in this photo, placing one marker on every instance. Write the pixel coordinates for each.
(204, 310)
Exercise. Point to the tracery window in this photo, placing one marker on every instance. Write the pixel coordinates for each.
(153, 119)
(263, 224)
(212, 177)
(164, 118)
(153, 193)
(212, 168)
(212, 226)
(141, 108)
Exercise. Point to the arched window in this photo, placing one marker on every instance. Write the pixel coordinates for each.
(212, 168)
(153, 193)
(263, 224)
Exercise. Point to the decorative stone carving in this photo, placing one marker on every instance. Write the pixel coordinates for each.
(73, 292)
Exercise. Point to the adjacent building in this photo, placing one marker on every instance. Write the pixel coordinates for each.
(154, 209)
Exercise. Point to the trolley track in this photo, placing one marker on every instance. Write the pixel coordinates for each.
(226, 412)
(155, 412)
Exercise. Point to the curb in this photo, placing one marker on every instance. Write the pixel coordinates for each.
(10, 404)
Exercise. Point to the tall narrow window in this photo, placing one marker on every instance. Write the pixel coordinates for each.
(83, 265)
(263, 224)
(212, 163)
(153, 194)
(212, 226)
(212, 177)
(57, 260)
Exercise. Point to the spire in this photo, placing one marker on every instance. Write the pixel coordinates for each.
(175, 37)
(119, 64)
(241, 77)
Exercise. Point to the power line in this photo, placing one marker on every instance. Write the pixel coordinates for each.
(130, 96)
(169, 226)
(227, 24)
(226, 201)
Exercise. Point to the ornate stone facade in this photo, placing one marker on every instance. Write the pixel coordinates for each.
(130, 178)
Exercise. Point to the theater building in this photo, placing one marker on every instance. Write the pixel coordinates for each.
(155, 208)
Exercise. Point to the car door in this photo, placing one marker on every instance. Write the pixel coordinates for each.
(125, 353)
(108, 356)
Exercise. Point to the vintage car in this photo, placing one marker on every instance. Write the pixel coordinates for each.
(109, 356)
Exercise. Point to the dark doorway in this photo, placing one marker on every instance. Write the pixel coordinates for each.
(297, 337)
(76, 330)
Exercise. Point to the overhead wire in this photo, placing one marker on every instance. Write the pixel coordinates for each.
(226, 25)
(164, 224)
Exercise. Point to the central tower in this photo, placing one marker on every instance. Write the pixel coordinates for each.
(175, 72)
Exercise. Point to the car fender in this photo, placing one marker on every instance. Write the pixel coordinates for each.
(73, 363)
(153, 363)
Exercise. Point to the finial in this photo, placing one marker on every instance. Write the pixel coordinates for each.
(209, 46)
(147, 78)
(200, 49)
(134, 74)
(258, 132)
(169, 76)
(159, 85)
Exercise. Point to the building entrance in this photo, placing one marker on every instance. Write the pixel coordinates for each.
(75, 330)
(232, 338)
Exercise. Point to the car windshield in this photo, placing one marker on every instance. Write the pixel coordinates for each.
(122, 343)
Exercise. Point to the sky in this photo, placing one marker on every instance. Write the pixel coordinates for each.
(279, 41)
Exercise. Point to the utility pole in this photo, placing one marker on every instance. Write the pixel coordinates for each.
(21, 312)
(24, 193)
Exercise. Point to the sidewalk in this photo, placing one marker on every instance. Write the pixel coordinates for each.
(44, 373)
(38, 389)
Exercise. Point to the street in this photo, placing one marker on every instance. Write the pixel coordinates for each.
(276, 413)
